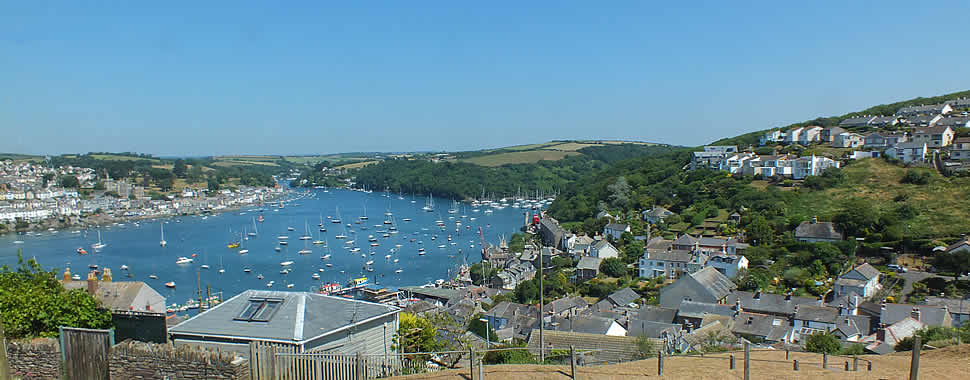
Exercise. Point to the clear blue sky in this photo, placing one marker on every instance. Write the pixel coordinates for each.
(180, 78)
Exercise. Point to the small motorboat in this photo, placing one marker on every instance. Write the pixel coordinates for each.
(153, 277)
(183, 260)
(124, 267)
(81, 251)
(170, 284)
(204, 266)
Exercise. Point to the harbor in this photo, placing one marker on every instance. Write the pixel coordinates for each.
(331, 240)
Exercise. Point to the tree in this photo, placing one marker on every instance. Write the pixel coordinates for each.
(34, 304)
(527, 292)
(416, 334)
(619, 193)
(760, 231)
(822, 343)
(479, 328)
(646, 347)
(476, 272)
(46, 179)
(179, 168)
(613, 267)
(69, 181)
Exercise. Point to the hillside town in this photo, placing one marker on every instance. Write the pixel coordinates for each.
(34, 196)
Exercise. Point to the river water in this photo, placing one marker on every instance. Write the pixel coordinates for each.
(138, 247)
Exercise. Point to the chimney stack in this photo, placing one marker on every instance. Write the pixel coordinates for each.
(915, 313)
(92, 282)
(67, 274)
(757, 295)
(842, 310)
(106, 275)
(737, 305)
(814, 220)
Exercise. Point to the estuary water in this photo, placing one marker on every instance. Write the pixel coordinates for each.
(446, 240)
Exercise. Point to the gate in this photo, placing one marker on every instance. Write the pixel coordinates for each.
(85, 352)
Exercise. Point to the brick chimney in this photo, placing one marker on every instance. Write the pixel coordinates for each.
(92, 282)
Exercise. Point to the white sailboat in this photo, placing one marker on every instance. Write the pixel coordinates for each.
(221, 268)
(99, 244)
(162, 242)
(255, 230)
(306, 233)
(429, 205)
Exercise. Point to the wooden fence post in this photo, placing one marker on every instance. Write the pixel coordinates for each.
(795, 365)
(4, 366)
(914, 364)
(481, 366)
(747, 360)
(359, 362)
(786, 354)
(660, 363)
(855, 364)
(825, 360)
(731, 363)
(471, 363)
(572, 362)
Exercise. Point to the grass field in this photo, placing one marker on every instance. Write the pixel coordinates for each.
(942, 202)
(112, 157)
(524, 157)
(946, 363)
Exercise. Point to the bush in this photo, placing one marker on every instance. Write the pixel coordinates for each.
(916, 177)
(822, 343)
(646, 347)
(613, 267)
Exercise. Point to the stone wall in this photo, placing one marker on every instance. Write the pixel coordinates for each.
(37, 359)
(139, 360)
(41, 359)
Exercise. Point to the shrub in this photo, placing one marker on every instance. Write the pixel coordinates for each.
(916, 177)
(822, 343)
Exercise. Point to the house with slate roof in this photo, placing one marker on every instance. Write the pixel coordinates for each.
(137, 310)
(856, 122)
(766, 303)
(512, 320)
(843, 322)
(615, 229)
(760, 328)
(706, 285)
(656, 214)
(305, 321)
(934, 137)
(928, 314)
(587, 268)
(931, 109)
(623, 297)
(588, 324)
(908, 151)
(960, 150)
(815, 231)
(603, 250)
(693, 313)
(959, 308)
(862, 280)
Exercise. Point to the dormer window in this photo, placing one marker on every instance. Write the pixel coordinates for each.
(259, 309)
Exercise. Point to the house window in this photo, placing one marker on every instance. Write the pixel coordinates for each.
(259, 309)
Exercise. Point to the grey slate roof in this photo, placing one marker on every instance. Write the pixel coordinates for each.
(910, 110)
(121, 295)
(584, 324)
(694, 309)
(856, 121)
(768, 303)
(955, 306)
(651, 329)
(655, 314)
(772, 328)
(566, 303)
(623, 297)
(818, 230)
(714, 282)
(588, 262)
(929, 314)
(853, 325)
(868, 271)
(301, 316)
(440, 293)
(616, 226)
(815, 313)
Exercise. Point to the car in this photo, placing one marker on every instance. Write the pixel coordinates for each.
(896, 268)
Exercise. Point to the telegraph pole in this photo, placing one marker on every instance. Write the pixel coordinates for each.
(542, 347)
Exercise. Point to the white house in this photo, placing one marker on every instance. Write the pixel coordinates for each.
(728, 265)
(772, 137)
(934, 137)
(603, 250)
(794, 135)
(847, 140)
(615, 229)
(811, 165)
(844, 322)
(908, 151)
(810, 135)
(863, 280)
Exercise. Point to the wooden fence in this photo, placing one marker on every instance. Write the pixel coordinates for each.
(85, 353)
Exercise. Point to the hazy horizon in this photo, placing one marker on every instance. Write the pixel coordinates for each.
(227, 78)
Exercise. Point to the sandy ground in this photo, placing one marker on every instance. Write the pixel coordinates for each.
(947, 363)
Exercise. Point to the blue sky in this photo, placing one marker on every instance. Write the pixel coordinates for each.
(177, 78)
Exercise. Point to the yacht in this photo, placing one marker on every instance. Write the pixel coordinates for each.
(286, 263)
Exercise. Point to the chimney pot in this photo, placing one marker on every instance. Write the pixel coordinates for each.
(92, 282)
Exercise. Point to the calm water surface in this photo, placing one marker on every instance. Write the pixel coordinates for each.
(207, 238)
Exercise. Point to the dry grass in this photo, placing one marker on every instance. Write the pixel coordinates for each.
(946, 363)
(357, 165)
(524, 157)
(571, 147)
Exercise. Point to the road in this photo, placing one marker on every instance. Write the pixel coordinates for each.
(914, 276)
